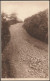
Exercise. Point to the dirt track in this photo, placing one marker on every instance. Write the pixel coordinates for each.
(27, 56)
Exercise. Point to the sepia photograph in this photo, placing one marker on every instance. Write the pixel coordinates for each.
(24, 39)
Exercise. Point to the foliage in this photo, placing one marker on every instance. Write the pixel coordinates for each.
(5, 34)
(13, 18)
(37, 25)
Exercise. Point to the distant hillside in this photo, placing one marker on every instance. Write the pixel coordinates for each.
(37, 25)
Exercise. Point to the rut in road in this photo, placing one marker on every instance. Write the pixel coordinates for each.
(28, 57)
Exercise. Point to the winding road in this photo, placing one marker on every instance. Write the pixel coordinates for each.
(27, 57)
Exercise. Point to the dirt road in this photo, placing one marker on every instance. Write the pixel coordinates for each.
(27, 56)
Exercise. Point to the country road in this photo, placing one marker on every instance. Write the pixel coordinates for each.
(25, 56)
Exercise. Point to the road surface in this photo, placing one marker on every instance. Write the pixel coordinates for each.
(25, 56)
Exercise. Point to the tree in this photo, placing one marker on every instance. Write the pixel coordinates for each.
(13, 18)
(4, 16)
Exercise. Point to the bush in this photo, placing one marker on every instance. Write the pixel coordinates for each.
(13, 19)
(37, 25)
(5, 33)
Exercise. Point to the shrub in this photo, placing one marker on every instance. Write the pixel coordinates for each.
(5, 33)
(37, 25)
(13, 19)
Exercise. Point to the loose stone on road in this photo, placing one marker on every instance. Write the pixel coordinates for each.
(28, 56)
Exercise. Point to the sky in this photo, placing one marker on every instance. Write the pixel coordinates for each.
(23, 9)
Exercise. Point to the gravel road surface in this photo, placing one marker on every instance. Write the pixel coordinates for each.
(24, 56)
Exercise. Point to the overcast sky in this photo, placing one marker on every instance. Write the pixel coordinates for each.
(23, 9)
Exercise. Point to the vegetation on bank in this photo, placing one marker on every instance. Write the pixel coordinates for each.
(37, 25)
(5, 33)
